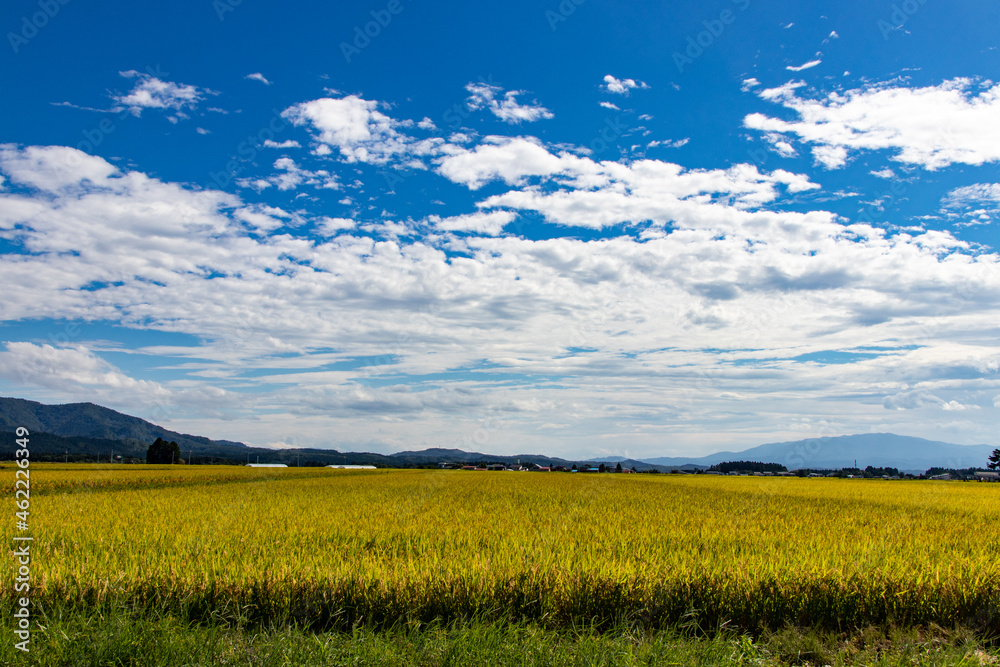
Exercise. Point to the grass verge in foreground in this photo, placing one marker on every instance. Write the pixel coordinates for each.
(119, 639)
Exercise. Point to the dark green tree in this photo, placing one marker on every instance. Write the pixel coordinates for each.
(994, 460)
(162, 451)
(618, 468)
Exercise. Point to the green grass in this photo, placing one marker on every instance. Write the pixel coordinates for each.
(118, 638)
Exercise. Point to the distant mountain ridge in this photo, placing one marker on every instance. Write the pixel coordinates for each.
(76, 430)
(867, 449)
(89, 420)
(87, 428)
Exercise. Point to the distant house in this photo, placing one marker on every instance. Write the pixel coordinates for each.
(712, 472)
(468, 467)
(988, 476)
(943, 476)
(266, 465)
(496, 466)
(346, 467)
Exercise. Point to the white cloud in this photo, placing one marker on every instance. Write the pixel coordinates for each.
(356, 128)
(710, 266)
(752, 82)
(917, 399)
(288, 143)
(53, 168)
(610, 105)
(973, 195)
(150, 92)
(509, 159)
(783, 148)
(262, 218)
(52, 367)
(621, 86)
(78, 371)
(883, 173)
(977, 204)
(490, 224)
(669, 144)
(201, 130)
(934, 126)
(598, 195)
(799, 68)
(333, 226)
(831, 157)
(257, 76)
(507, 108)
(290, 176)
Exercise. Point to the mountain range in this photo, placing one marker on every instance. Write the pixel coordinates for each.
(86, 430)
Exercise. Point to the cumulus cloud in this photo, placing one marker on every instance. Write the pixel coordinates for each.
(78, 371)
(150, 92)
(504, 104)
(710, 261)
(332, 226)
(621, 86)
(506, 158)
(601, 194)
(354, 126)
(490, 224)
(932, 127)
(53, 367)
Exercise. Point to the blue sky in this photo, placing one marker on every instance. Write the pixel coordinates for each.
(578, 228)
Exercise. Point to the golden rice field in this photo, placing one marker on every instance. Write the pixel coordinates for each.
(332, 548)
